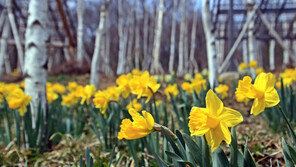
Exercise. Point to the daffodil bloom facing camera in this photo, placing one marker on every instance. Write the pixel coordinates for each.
(171, 89)
(141, 126)
(213, 121)
(222, 89)
(70, 99)
(86, 93)
(187, 87)
(242, 66)
(134, 105)
(263, 92)
(123, 84)
(253, 64)
(18, 100)
(101, 100)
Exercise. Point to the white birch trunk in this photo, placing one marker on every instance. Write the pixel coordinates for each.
(211, 47)
(94, 73)
(107, 69)
(180, 69)
(294, 41)
(3, 47)
(221, 44)
(245, 51)
(66, 50)
(251, 37)
(186, 48)
(121, 52)
(286, 42)
(156, 66)
(137, 39)
(192, 63)
(147, 61)
(145, 38)
(271, 51)
(173, 34)
(129, 63)
(80, 49)
(15, 33)
(36, 60)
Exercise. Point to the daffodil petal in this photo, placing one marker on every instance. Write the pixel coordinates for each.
(213, 103)
(230, 117)
(258, 106)
(149, 119)
(271, 98)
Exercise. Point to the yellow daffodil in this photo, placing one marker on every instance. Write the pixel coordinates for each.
(187, 87)
(171, 90)
(144, 85)
(286, 82)
(18, 100)
(213, 121)
(123, 85)
(141, 126)
(70, 99)
(22, 84)
(51, 96)
(86, 93)
(242, 66)
(259, 70)
(113, 93)
(198, 84)
(158, 102)
(59, 88)
(134, 105)
(263, 92)
(187, 77)
(253, 64)
(72, 86)
(136, 72)
(101, 101)
(198, 76)
(222, 89)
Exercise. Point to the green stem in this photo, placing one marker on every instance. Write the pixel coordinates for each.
(286, 119)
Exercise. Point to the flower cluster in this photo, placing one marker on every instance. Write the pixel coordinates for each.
(196, 84)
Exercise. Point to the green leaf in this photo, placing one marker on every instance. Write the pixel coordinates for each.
(171, 141)
(248, 157)
(219, 158)
(287, 155)
(178, 158)
(233, 148)
(205, 153)
(194, 149)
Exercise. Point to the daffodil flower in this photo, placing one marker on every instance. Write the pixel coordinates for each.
(213, 121)
(263, 92)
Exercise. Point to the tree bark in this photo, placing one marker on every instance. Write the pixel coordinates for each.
(16, 36)
(36, 61)
(156, 66)
(129, 55)
(173, 34)
(271, 51)
(137, 39)
(121, 54)
(192, 63)
(107, 66)
(80, 48)
(94, 75)
(211, 47)
(286, 42)
(180, 69)
(145, 38)
(3, 47)
(245, 51)
(251, 37)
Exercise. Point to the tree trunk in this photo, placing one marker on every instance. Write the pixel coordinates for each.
(121, 54)
(286, 42)
(145, 38)
(17, 39)
(211, 47)
(80, 49)
(251, 37)
(245, 51)
(294, 41)
(137, 39)
(94, 75)
(3, 47)
(36, 62)
(173, 34)
(129, 62)
(107, 66)
(180, 69)
(221, 43)
(156, 66)
(272, 50)
(186, 48)
(192, 63)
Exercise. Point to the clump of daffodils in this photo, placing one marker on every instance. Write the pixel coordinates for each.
(288, 77)
(171, 90)
(222, 89)
(196, 84)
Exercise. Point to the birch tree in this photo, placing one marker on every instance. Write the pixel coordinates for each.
(156, 66)
(145, 35)
(251, 37)
(121, 53)
(15, 33)
(210, 40)
(192, 62)
(286, 41)
(173, 34)
(36, 61)
(3, 47)
(94, 75)
(245, 51)
(272, 50)
(180, 69)
(294, 41)
(137, 36)
(129, 63)
(80, 49)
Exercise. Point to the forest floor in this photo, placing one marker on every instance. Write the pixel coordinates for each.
(263, 143)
